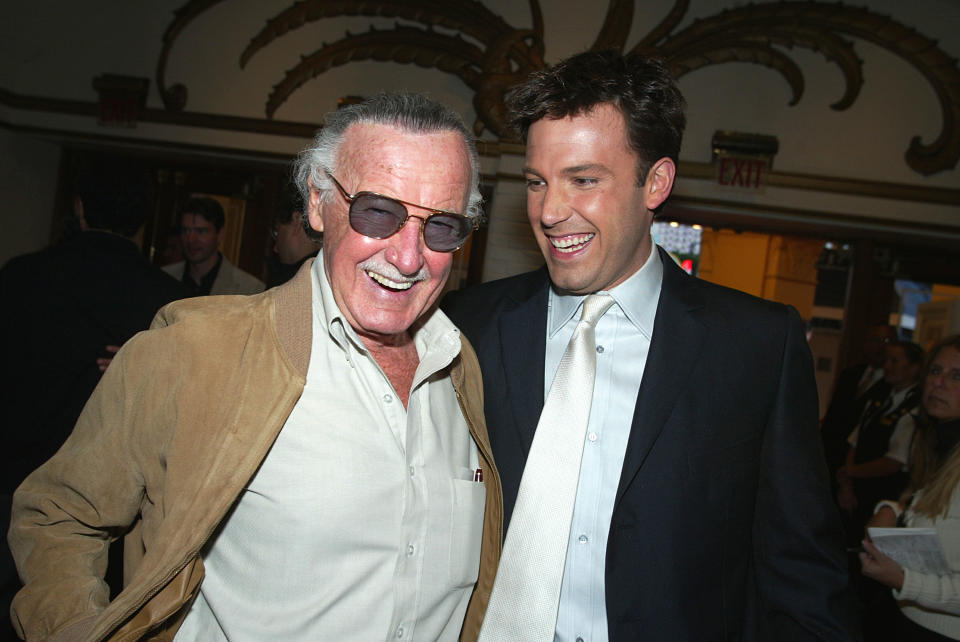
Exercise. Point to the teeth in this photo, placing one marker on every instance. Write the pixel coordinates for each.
(569, 244)
(382, 280)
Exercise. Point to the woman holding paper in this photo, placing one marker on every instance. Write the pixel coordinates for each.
(930, 603)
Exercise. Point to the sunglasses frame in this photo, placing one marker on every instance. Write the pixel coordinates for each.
(474, 225)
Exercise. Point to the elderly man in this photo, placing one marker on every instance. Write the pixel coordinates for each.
(310, 463)
(671, 485)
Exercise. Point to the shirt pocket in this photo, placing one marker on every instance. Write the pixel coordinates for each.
(466, 529)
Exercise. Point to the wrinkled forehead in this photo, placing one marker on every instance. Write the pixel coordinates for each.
(388, 150)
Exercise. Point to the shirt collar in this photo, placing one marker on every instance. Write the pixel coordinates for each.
(897, 397)
(637, 297)
(434, 335)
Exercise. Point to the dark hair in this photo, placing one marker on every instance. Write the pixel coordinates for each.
(640, 87)
(207, 208)
(288, 202)
(914, 353)
(116, 197)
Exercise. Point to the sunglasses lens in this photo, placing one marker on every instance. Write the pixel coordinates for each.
(380, 217)
(376, 216)
(446, 232)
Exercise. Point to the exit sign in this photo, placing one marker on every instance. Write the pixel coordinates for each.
(742, 172)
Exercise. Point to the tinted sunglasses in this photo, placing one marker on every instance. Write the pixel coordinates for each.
(380, 217)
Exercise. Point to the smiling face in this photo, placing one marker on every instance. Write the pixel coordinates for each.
(589, 215)
(941, 390)
(383, 285)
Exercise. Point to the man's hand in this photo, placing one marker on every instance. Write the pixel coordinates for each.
(103, 362)
(878, 566)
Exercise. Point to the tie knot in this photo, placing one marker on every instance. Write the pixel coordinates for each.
(593, 308)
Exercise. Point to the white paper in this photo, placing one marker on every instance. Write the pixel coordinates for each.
(915, 548)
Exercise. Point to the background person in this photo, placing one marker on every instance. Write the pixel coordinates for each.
(294, 241)
(62, 306)
(880, 443)
(850, 395)
(205, 270)
(930, 604)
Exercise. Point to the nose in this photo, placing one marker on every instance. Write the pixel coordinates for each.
(552, 206)
(405, 249)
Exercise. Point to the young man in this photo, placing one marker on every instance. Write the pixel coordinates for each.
(701, 510)
(205, 270)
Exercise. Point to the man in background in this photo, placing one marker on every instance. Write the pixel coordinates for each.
(294, 241)
(205, 270)
(62, 307)
(855, 385)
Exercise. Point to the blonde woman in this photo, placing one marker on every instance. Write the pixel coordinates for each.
(930, 604)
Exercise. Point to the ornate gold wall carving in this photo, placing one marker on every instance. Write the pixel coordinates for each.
(761, 33)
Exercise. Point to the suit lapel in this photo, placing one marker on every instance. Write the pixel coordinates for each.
(676, 344)
(523, 346)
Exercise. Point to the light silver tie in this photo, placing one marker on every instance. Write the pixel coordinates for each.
(526, 593)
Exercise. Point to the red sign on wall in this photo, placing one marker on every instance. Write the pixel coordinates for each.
(744, 172)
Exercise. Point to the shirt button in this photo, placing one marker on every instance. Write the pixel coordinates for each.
(388, 398)
(592, 436)
(579, 639)
(411, 471)
(399, 631)
(599, 351)
(410, 549)
(582, 539)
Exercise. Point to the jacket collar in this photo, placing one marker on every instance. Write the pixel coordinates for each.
(292, 317)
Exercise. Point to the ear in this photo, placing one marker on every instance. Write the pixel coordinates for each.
(659, 183)
(315, 207)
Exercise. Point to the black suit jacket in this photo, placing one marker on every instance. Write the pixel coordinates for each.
(63, 305)
(723, 526)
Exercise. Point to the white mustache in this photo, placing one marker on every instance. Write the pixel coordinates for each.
(391, 272)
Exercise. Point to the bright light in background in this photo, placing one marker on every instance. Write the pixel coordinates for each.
(681, 241)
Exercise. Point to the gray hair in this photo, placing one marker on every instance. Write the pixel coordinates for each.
(409, 112)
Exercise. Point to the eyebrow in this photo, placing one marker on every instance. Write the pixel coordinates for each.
(575, 169)
(587, 167)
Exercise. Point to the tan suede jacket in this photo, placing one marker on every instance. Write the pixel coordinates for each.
(171, 436)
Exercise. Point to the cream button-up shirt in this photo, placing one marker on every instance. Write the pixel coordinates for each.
(364, 520)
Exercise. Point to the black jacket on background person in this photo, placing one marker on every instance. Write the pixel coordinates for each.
(62, 305)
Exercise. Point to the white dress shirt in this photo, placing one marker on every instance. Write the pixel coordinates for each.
(623, 341)
(363, 521)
